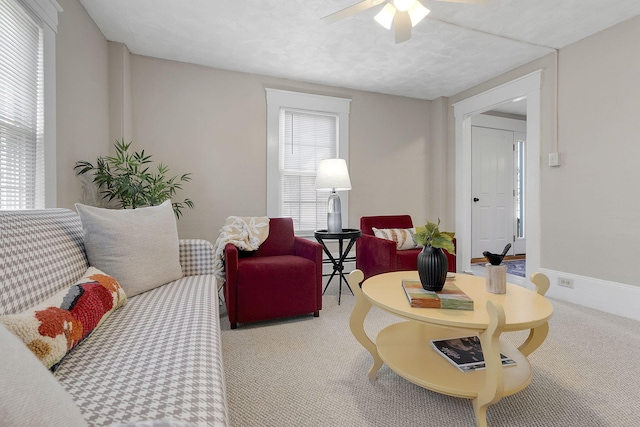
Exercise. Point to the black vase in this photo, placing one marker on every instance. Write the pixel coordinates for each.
(432, 268)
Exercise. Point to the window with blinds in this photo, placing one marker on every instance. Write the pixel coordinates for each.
(303, 129)
(305, 139)
(21, 109)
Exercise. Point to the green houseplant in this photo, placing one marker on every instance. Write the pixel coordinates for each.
(430, 235)
(129, 179)
(432, 261)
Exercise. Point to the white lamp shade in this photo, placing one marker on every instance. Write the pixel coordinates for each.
(332, 174)
(385, 16)
(417, 13)
(403, 5)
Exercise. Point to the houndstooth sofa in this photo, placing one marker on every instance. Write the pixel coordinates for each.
(158, 357)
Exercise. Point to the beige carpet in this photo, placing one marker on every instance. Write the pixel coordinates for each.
(310, 371)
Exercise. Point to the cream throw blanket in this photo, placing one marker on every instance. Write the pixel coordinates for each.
(245, 233)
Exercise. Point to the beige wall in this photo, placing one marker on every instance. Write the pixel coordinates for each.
(82, 100)
(589, 213)
(212, 123)
(592, 223)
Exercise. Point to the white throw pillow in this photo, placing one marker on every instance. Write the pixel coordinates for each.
(405, 238)
(137, 246)
(29, 393)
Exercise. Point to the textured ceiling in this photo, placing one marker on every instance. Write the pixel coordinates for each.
(456, 47)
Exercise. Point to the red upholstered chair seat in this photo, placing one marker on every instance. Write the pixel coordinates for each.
(407, 259)
(282, 278)
(375, 255)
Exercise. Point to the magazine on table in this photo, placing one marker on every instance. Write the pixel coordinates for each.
(465, 353)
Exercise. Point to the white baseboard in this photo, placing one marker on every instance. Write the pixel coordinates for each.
(611, 297)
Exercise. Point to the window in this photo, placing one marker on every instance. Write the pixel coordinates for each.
(23, 36)
(303, 129)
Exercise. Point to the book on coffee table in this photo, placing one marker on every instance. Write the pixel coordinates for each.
(450, 297)
(465, 353)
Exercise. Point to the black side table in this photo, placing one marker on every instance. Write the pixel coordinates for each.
(347, 234)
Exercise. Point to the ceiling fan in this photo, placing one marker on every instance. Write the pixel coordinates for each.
(403, 14)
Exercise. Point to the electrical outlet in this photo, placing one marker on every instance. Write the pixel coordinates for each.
(567, 283)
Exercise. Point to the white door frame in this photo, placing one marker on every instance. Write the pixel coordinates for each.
(529, 86)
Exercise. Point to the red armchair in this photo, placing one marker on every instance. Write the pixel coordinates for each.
(282, 278)
(375, 255)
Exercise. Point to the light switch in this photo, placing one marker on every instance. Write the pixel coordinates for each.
(554, 159)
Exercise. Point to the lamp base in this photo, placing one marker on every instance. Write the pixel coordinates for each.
(334, 214)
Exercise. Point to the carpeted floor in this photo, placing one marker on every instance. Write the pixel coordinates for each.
(308, 371)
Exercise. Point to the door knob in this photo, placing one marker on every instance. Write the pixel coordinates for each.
(475, 199)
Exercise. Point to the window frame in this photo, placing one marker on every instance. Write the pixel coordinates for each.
(278, 99)
(45, 13)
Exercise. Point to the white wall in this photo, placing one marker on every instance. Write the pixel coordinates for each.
(82, 100)
(591, 221)
(590, 227)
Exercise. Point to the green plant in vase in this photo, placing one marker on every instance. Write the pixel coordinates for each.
(432, 261)
(430, 235)
(129, 179)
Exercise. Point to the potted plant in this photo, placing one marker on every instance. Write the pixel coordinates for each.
(127, 178)
(432, 262)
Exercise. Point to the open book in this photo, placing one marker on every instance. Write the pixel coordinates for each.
(465, 353)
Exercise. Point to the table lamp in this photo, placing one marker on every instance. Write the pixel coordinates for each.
(333, 175)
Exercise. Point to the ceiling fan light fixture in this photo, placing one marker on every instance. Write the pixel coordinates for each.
(385, 16)
(404, 5)
(417, 13)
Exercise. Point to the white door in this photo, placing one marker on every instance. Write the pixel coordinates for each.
(492, 189)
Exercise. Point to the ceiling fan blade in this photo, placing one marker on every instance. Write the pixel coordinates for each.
(468, 1)
(402, 26)
(351, 10)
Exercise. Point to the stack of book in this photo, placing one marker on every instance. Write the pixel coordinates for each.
(450, 296)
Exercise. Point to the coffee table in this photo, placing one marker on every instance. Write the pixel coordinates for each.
(405, 347)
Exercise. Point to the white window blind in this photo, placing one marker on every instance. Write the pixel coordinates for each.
(21, 109)
(303, 129)
(305, 139)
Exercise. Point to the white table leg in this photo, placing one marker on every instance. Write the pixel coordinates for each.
(356, 321)
(493, 389)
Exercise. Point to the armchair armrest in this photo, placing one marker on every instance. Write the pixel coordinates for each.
(313, 251)
(308, 249)
(196, 257)
(231, 276)
(375, 255)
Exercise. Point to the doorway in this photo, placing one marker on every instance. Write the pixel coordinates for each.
(528, 87)
(498, 145)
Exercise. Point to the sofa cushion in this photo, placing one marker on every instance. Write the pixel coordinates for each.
(138, 246)
(29, 394)
(57, 325)
(158, 357)
(405, 238)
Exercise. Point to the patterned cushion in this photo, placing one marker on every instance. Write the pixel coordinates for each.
(196, 257)
(56, 326)
(405, 238)
(158, 357)
(138, 246)
(41, 253)
(29, 394)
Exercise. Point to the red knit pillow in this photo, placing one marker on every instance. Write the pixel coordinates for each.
(54, 327)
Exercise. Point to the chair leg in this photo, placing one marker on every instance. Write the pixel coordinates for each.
(316, 313)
